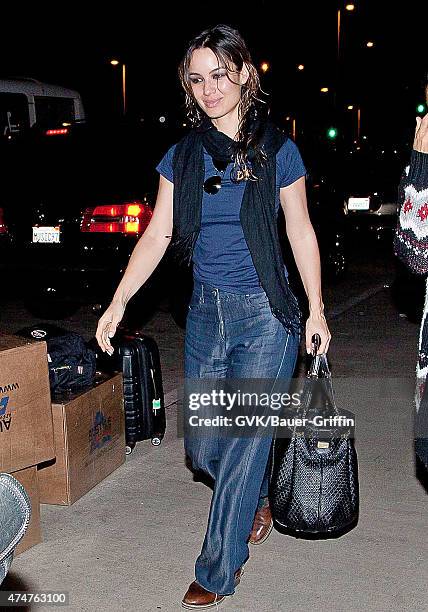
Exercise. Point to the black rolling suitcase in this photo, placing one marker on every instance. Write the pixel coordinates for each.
(137, 356)
(142, 389)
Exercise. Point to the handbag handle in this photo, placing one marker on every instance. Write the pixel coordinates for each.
(327, 382)
(319, 370)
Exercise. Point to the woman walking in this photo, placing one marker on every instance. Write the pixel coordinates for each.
(219, 195)
(411, 244)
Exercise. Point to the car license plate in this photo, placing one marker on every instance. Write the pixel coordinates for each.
(46, 235)
(358, 203)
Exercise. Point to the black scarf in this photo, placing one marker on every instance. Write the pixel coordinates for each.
(257, 215)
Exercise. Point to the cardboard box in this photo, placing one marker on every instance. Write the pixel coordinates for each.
(26, 431)
(89, 442)
(28, 478)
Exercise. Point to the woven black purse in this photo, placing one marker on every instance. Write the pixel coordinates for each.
(313, 489)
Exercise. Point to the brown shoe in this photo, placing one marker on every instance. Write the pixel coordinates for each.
(198, 598)
(262, 525)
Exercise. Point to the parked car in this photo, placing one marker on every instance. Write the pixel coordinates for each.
(355, 191)
(74, 202)
(370, 189)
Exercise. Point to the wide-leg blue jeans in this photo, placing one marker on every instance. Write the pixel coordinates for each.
(231, 335)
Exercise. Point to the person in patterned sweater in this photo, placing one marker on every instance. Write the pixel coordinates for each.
(411, 246)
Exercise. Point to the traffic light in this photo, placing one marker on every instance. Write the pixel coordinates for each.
(420, 108)
(332, 133)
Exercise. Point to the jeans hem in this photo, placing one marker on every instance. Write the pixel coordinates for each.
(211, 591)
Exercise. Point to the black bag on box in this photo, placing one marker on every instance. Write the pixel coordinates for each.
(314, 488)
(71, 363)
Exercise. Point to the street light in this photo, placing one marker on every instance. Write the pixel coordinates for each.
(264, 67)
(348, 7)
(324, 89)
(300, 67)
(370, 44)
(293, 126)
(115, 62)
(358, 109)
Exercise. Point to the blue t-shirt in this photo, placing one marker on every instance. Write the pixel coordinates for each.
(221, 256)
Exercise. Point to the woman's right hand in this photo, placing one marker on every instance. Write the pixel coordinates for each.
(107, 325)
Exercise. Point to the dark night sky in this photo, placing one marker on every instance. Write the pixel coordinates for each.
(73, 50)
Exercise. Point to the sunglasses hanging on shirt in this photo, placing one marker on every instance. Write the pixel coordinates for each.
(213, 184)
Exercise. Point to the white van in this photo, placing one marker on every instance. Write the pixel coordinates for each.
(25, 103)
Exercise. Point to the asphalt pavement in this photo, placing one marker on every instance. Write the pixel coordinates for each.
(131, 542)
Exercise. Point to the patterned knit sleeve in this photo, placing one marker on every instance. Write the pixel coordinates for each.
(411, 237)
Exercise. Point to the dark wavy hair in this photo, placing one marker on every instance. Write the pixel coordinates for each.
(231, 51)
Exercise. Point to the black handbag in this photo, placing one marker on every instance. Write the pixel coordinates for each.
(313, 489)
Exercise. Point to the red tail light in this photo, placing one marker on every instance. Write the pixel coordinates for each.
(3, 226)
(61, 132)
(129, 218)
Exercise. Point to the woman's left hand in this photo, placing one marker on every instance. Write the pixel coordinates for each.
(316, 324)
(421, 134)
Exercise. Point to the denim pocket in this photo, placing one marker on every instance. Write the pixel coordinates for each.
(194, 302)
(258, 299)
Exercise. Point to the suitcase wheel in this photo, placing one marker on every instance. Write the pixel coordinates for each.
(156, 441)
(128, 449)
